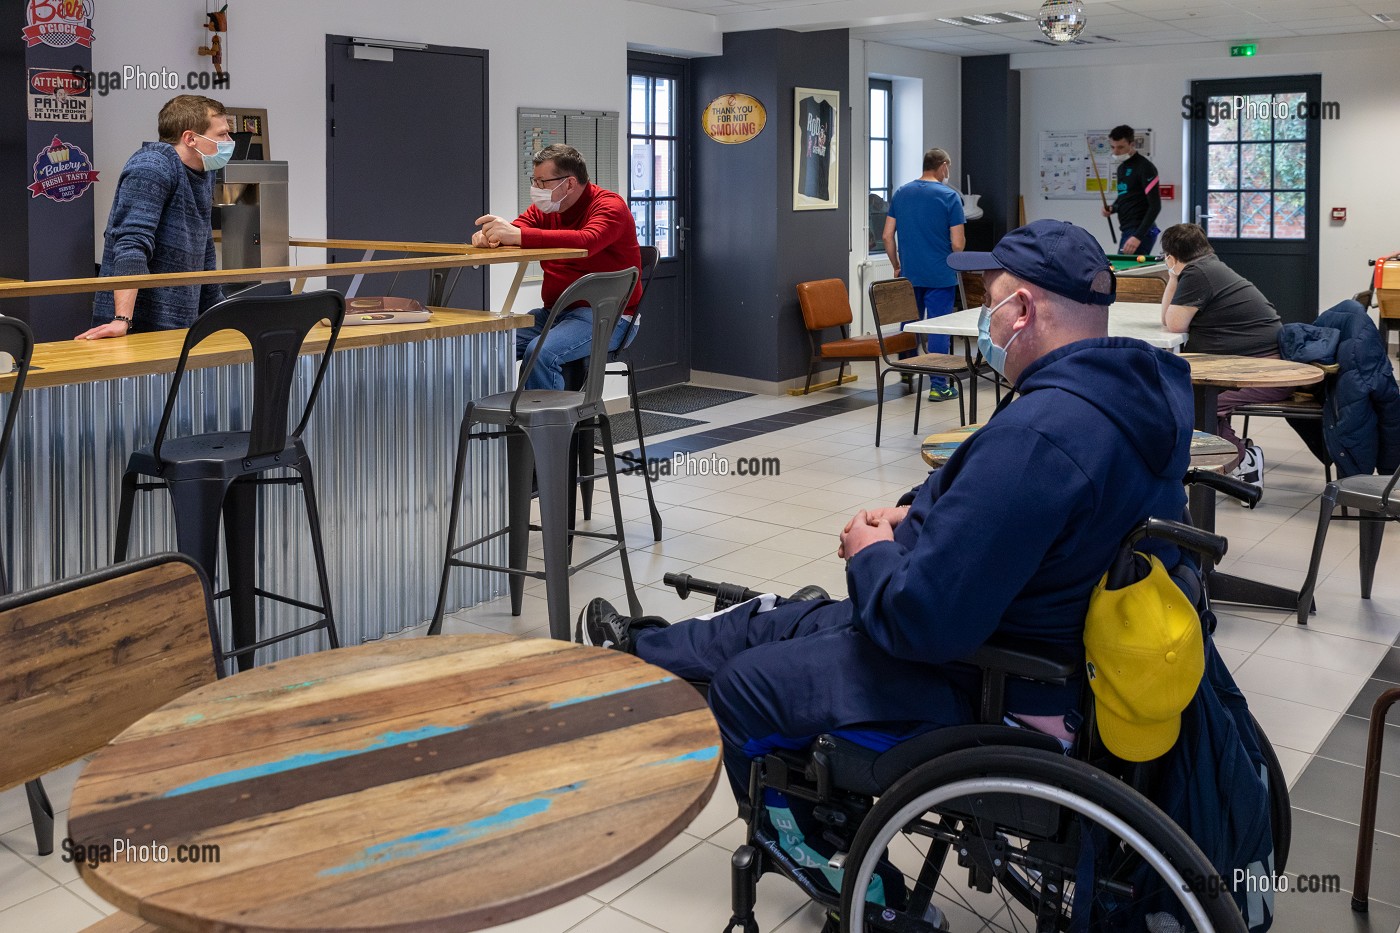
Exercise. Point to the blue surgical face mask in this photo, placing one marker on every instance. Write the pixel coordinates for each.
(993, 354)
(221, 156)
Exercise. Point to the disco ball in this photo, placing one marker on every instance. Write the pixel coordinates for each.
(1062, 20)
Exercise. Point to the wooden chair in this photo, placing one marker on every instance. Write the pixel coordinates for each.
(893, 303)
(972, 290)
(88, 656)
(1143, 289)
(825, 306)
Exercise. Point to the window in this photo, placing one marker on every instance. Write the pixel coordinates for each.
(881, 158)
(1257, 172)
(651, 140)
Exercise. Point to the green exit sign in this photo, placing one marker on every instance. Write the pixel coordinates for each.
(1242, 51)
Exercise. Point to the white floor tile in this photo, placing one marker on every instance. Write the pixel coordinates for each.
(763, 561)
(672, 850)
(1315, 686)
(22, 841)
(1290, 724)
(691, 895)
(1308, 645)
(57, 910)
(608, 920)
(20, 880)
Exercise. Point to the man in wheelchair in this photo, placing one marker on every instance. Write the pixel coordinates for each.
(1008, 538)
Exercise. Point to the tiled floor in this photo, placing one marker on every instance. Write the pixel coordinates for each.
(1311, 688)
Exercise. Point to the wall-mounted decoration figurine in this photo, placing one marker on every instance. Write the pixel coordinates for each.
(216, 22)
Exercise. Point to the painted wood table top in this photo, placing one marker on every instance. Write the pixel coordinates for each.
(1208, 452)
(68, 362)
(447, 783)
(1241, 372)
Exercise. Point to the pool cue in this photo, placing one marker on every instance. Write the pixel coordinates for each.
(1112, 234)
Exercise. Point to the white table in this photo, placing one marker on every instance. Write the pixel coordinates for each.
(1142, 320)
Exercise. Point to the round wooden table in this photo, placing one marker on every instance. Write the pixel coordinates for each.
(447, 783)
(1209, 374)
(1208, 452)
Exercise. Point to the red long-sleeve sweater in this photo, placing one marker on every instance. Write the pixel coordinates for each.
(599, 222)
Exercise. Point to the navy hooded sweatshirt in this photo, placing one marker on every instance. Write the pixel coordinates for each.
(1012, 534)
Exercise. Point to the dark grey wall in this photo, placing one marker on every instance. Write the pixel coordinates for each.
(991, 136)
(749, 247)
(42, 238)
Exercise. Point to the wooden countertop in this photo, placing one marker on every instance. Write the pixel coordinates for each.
(70, 362)
(472, 256)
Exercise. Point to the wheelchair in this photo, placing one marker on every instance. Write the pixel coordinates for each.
(992, 826)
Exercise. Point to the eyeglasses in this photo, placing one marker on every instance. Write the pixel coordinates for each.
(541, 182)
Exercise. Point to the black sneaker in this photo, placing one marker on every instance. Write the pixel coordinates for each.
(602, 626)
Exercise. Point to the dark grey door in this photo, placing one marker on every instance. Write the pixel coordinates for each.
(1254, 182)
(406, 156)
(658, 187)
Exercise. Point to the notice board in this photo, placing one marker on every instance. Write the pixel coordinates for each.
(1067, 170)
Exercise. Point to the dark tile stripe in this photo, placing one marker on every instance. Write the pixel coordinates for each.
(728, 434)
(166, 819)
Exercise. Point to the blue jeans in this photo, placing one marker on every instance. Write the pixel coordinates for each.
(570, 339)
(936, 302)
(1145, 241)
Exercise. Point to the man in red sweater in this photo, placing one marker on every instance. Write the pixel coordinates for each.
(567, 211)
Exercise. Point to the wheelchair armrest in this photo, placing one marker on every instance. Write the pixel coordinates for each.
(1247, 493)
(1014, 657)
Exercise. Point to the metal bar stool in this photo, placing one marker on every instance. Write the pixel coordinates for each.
(217, 474)
(540, 427)
(1361, 889)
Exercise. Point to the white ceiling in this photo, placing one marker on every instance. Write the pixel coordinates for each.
(914, 23)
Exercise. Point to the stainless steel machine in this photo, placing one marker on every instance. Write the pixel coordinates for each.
(252, 208)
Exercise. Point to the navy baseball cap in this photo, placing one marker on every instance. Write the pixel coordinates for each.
(1055, 255)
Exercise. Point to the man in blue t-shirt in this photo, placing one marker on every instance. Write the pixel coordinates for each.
(929, 217)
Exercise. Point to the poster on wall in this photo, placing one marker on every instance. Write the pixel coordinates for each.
(57, 23)
(1078, 164)
(734, 118)
(815, 154)
(62, 172)
(59, 96)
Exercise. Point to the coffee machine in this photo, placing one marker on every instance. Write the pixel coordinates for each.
(250, 203)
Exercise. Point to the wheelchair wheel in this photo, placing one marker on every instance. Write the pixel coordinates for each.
(1280, 806)
(998, 839)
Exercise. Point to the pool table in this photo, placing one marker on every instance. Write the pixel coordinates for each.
(1129, 265)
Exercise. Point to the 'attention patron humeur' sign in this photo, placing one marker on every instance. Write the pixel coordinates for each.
(734, 118)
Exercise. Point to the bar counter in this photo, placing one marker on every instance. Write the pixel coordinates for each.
(382, 440)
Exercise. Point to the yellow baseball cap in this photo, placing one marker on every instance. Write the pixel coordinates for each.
(1145, 657)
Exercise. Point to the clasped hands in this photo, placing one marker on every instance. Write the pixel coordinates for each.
(869, 526)
(495, 231)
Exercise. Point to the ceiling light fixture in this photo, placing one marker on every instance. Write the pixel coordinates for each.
(1019, 17)
(1062, 20)
(1381, 18)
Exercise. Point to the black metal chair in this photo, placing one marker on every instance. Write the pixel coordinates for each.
(1375, 500)
(216, 475)
(540, 428)
(574, 374)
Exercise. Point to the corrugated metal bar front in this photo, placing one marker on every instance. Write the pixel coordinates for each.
(383, 445)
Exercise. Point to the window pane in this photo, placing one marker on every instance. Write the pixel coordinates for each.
(1256, 216)
(879, 112)
(1291, 126)
(879, 163)
(664, 168)
(1256, 120)
(879, 209)
(1290, 216)
(1224, 166)
(638, 105)
(1291, 166)
(663, 229)
(642, 165)
(1223, 208)
(639, 217)
(1227, 129)
(665, 94)
(1256, 166)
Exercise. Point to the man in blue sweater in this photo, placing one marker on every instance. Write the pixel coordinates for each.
(1009, 537)
(160, 221)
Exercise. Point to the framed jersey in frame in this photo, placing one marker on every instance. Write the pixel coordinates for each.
(816, 158)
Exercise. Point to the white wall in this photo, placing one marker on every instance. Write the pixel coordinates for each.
(1072, 89)
(927, 114)
(542, 53)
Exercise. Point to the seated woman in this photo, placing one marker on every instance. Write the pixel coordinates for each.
(1223, 312)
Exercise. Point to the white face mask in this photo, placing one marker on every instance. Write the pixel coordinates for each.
(1121, 156)
(543, 198)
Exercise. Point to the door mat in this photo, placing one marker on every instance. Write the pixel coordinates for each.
(625, 427)
(683, 399)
